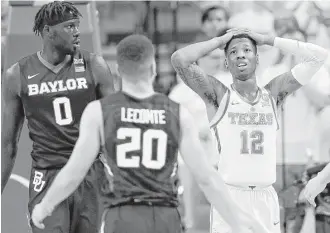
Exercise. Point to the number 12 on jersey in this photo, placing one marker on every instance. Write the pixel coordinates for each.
(252, 142)
(146, 148)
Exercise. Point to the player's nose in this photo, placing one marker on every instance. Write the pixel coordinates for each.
(240, 54)
(76, 32)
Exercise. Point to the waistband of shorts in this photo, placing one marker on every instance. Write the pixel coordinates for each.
(56, 166)
(137, 202)
(250, 187)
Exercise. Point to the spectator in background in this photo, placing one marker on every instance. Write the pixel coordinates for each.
(285, 21)
(255, 16)
(214, 22)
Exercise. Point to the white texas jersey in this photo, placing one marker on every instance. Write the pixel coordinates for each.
(246, 136)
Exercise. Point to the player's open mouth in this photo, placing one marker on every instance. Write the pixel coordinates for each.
(241, 65)
(76, 43)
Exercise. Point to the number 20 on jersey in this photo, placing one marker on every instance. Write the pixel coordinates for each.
(145, 148)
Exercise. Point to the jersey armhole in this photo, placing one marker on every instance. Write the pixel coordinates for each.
(223, 106)
(101, 124)
(274, 106)
(88, 59)
(19, 82)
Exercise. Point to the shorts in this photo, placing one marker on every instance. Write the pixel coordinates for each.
(141, 219)
(79, 213)
(260, 202)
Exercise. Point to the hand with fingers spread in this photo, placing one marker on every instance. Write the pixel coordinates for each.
(260, 39)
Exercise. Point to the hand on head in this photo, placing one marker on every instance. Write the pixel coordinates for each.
(225, 39)
(260, 39)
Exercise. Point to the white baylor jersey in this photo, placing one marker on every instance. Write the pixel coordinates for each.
(246, 136)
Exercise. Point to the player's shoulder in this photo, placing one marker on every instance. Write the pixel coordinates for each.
(116, 97)
(11, 79)
(92, 57)
(162, 98)
(93, 109)
(13, 70)
(27, 59)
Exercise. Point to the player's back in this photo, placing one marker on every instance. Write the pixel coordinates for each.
(54, 98)
(141, 144)
(246, 134)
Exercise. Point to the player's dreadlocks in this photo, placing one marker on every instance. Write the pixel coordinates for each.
(54, 13)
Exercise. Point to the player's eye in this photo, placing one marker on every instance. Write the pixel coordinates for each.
(71, 26)
(232, 52)
(247, 50)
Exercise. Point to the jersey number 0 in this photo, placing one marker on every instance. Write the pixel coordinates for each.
(142, 142)
(62, 110)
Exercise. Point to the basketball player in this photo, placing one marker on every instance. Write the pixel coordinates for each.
(51, 88)
(316, 185)
(243, 116)
(141, 132)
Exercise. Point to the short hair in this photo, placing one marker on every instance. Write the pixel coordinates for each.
(53, 12)
(254, 43)
(206, 12)
(135, 53)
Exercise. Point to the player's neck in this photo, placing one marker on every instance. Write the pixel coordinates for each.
(139, 89)
(51, 55)
(247, 86)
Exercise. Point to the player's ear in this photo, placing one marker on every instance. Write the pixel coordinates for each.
(257, 58)
(117, 70)
(153, 69)
(47, 31)
(226, 63)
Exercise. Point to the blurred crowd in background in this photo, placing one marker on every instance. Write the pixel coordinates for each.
(304, 137)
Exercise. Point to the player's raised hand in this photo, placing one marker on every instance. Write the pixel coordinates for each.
(225, 39)
(39, 213)
(313, 188)
(260, 39)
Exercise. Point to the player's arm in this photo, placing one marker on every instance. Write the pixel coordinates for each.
(316, 185)
(12, 121)
(324, 175)
(184, 62)
(313, 57)
(103, 76)
(207, 177)
(84, 153)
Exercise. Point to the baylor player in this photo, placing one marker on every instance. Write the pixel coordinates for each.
(51, 88)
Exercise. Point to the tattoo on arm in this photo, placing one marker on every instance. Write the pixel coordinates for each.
(194, 77)
(282, 86)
